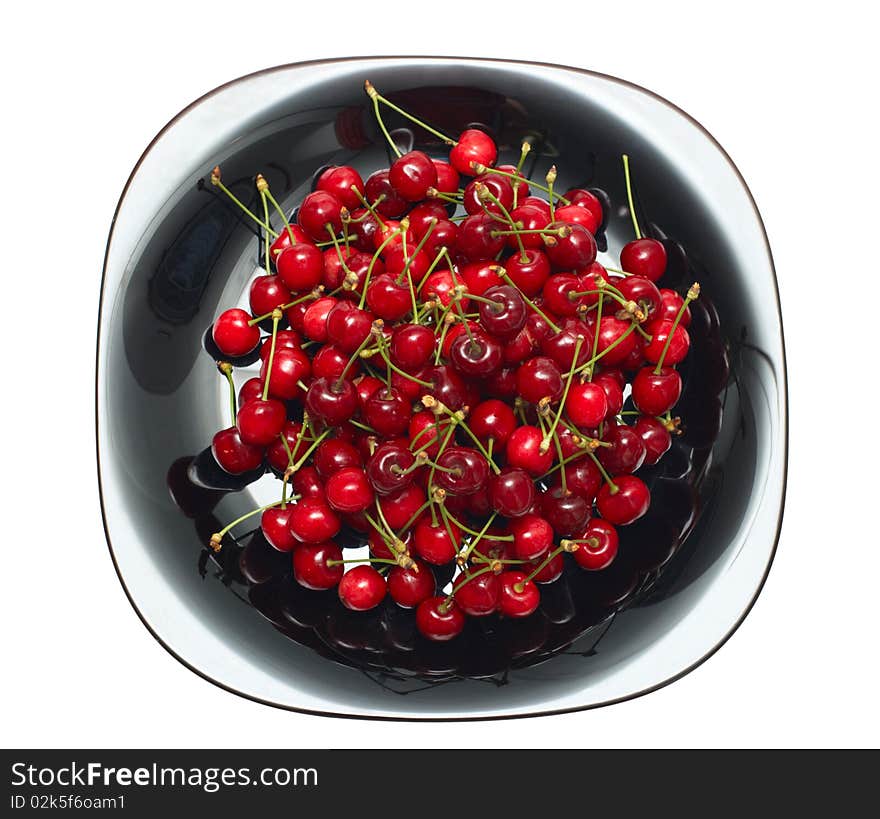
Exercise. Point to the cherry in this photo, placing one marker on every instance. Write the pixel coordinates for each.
(532, 217)
(588, 200)
(475, 354)
(474, 147)
(276, 454)
(561, 346)
(387, 299)
(528, 271)
(233, 335)
(425, 433)
(366, 385)
(433, 543)
(412, 174)
(643, 292)
(545, 570)
(627, 504)
(387, 412)
(524, 451)
(475, 240)
(339, 180)
(520, 184)
(284, 240)
(330, 362)
(252, 388)
(313, 521)
(655, 393)
(573, 251)
(557, 293)
(565, 512)
(586, 405)
(409, 587)
(400, 506)
(583, 478)
(307, 483)
(597, 545)
(493, 420)
(275, 523)
(315, 318)
(447, 176)
(318, 210)
(267, 293)
(232, 454)
(532, 536)
(289, 339)
(476, 594)
(626, 453)
(289, 367)
(362, 588)
(411, 346)
(538, 378)
(334, 454)
(400, 262)
(331, 401)
(463, 471)
(644, 257)
(511, 492)
(310, 567)
(678, 347)
(655, 437)
(349, 490)
(478, 277)
(390, 467)
(611, 331)
(613, 392)
(497, 186)
(518, 596)
(447, 386)
(576, 215)
(437, 618)
(384, 197)
(348, 327)
(259, 422)
(506, 315)
(670, 305)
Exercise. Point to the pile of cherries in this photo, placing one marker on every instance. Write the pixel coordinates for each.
(444, 366)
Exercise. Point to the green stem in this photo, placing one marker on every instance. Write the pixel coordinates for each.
(377, 98)
(629, 197)
(276, 317)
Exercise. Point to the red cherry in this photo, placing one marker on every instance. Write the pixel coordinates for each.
(409, 587)
(655, 437)
(475, 240)
(586, 405)
(601, 548)
(473, 147)
(284, 240)
(532, 217)
(267, 293)
(318, 210)
(518, 596)
(334, 454)
(511, 492)
(538, 378)
(576, 215)
(232, 454)
(583, 478)
(613, 392)
(412, 174)
(573, 251)
(530, 272)
(642, 291)
(252, 388)
(411, 346)
(626, 453)
(289, 367)
(548, 571)
(383, 196)
(310, 567)
(400, 506)
(331, 401)
(433, 543)
(611, 329)
(644, 257)
(307, 483)
(259, 422)
(387, 412)
(232, 334)
(670, 305)
(339, 180)
(276, 454)
(532, 536)
(284, 339)
(387, 299)
(678, 347)
(313, 521)
(656, 393)
(275, 523)
(330, 362)
(447, 177)
(476, 596)
(315, 318)
(439, 619)
(627, 504)
(349, 490)
(524, 451)
(497, 186)
(348, 326)
(587, 200)
(362, 588)
(566, 512)
(493, 420)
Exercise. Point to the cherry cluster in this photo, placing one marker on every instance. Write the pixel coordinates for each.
(444, 366)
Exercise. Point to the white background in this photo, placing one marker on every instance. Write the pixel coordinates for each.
(788, 93)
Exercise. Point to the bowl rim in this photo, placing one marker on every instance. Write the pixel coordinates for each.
(783, 383)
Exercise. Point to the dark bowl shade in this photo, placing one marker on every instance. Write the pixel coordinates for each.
(178, 254)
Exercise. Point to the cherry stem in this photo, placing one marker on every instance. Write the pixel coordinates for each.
(523, 153)
(483, 192)
(217, 183)
(276, 317)
(480, 169)
(312, 447)
(446, 197)
(377, 98)
(284, 490)
(551, 178)
(384, 521)
(226, 368)
(477, 538)
(266, 240)
(443, 444)
(416, 515)
(380, 343)
(692, 294)
(605, 475)
(559, 454)
(446, 525)
(545, 443)
(431, 225)
(468, 530)
(217, 537)
(629, 197)
(388, 239)
(370, 208)
(468, 576)
(550, 323)
(596, 333)
(335, 241)
(314, 294)
(588, 366)
(354, 357)
(519, 587)
(332, 562)
(261, 181)
(384, 129)
(458, 421)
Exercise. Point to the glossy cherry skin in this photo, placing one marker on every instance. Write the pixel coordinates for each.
(511, 601)
(331, 401)
(433, 543)
(284, 240)
(599, 555)
(252, 388)
(497, 186)
(511, 492)
(586, 405)
(339, 180)
(315, 318)
(474, 147)
(574, 251)
(412, 174)
(232, 454)
(400, 506)
(275, 523)
(439, 619)
(387, 299)
(493, 420)
(529, 273)
(317, 210)
(266, 293)
(655, 437)
(478, 277)
(447, 386)
(477, 595)
(307, 483)
(348, 326)
(547, 570)
(613, 392)
(524, 450)
(409, 587)
(587, 200)
(334, 454)
(276, 453)
(284, 340)
(678, 347)
(507, 316)
(387, 468)
(232, 335)
(313, 521)
(611, 330)
(349, 490)
(644, 257)
(447, 176)
(566, 513)
(475, 240)
(475, 355)
(538, 378)
(561, 346)
(259, 422)
(411, 346)
(558, 292)
(628, 504)
(532, 536)
(642, 291)
(362, 588)
(470, 470)
(576, 215)
(655, 393)
(583, 478)
(626, 453)
(289, 367)
(392, 204)
(387, 412)
(670, 305)
(532, 217)
(310, 567)
(330, 362)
